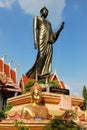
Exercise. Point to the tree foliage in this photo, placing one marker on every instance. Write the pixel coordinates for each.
(18, 125)
(61, 124)
(28, 86)
(3, 113)
(41, 81)
(85, 97)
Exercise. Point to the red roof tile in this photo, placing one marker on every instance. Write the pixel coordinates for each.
(1, 64)
(7, 70)
(13, 76)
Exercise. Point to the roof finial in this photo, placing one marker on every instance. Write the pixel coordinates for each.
(17, 67)
(36, 78)
(5, 56)
(11, 61)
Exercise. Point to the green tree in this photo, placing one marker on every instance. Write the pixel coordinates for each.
(28, 86)
(85, 97)
(3, 113)
(18, 125)
(61, 124)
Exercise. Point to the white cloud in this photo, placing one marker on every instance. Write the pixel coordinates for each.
(55, 8)
(33, 7)
(6, 3)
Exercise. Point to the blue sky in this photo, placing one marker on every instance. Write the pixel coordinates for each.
(70, 50)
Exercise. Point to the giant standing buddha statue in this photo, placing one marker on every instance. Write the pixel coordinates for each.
(44, 38)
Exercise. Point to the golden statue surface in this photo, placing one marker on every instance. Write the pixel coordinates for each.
(35, 109)
(43, 41)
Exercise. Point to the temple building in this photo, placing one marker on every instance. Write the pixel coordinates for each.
(8, 82)
(59, 86)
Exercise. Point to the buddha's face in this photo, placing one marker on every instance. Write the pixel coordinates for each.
(36, 96)
(44, 12)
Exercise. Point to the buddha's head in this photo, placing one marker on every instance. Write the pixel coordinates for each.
(44, 12)
(36, 93)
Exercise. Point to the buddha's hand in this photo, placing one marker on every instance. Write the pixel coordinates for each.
(62, 25)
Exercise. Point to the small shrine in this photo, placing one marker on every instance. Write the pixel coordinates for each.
(56, 86)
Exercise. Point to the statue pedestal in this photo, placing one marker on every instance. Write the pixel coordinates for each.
(51, 101)
(33, 124)
(48, 98)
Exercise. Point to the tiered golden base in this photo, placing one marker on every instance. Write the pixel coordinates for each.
(33, 125)
(51, 101)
